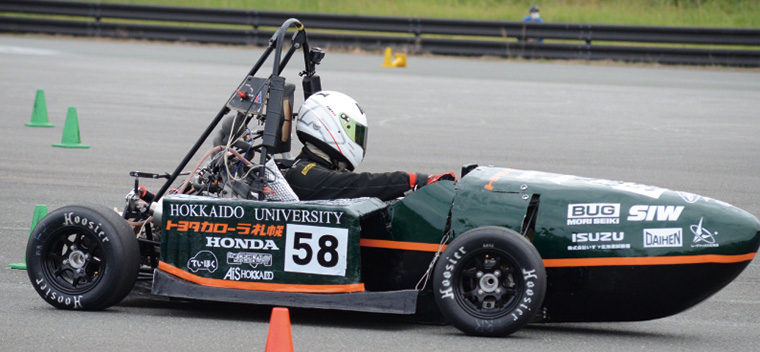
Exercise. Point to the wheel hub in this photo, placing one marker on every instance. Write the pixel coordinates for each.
(77, 259)
(489, 283)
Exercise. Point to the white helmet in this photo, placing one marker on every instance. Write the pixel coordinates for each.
(335, 124)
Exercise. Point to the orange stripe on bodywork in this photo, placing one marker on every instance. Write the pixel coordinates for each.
(258, 286)
(573, 262)
(409, 246)
(626, 261)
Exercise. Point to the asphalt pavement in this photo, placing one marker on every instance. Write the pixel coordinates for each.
(141, 105)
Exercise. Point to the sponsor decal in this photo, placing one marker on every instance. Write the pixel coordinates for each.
(336, 202)
(206, 211)
(687, 197)
(593, 214)
(529, 175)
(579, 237)
(260, 230)
(329, 108)
(655, 212)
(224, 228)
(590, 241)
(496, 178)
(251, 258)
(702, 236)
(259, 214)
(240, 243)
(71, 219)
(593, 247)
(203, 260)
(452, 261)
(307, 168)
(563, 179)
(721, 203)
(644, 190)
(237, 273)
(529, 276)
(75, 302)
(663, 238)
(298, 215)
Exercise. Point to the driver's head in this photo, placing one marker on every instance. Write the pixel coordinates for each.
(334, 123)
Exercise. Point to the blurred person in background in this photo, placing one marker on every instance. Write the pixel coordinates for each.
(534, 17)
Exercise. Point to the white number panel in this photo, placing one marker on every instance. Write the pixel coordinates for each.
(316, 250)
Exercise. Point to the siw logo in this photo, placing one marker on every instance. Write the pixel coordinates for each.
(655, 212)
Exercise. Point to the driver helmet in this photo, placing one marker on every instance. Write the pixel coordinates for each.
(336, 124)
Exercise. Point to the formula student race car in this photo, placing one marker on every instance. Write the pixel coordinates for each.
(496, 250)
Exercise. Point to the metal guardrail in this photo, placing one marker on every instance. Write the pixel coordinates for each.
(413, 35)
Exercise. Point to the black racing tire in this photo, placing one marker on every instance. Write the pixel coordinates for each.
(83, 257)
(489, 281)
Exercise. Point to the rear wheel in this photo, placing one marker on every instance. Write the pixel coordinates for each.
(83, 257)
(489, 281)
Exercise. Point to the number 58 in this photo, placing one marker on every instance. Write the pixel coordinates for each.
(316, 250)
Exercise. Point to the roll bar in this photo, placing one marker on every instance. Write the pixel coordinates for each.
(273, 118)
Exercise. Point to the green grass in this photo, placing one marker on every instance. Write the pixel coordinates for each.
(693, 13)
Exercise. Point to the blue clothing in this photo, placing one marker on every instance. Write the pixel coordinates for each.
(538, 20)
(529, 19)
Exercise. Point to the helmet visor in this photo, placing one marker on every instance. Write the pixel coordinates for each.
(356, 131)
(360, 136)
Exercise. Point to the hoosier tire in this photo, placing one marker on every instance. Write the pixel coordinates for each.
(489, 281)
(83, 257)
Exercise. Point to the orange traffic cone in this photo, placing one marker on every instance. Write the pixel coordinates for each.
(279, 338)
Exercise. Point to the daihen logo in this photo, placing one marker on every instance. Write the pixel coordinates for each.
(663, 238)
(593, 214)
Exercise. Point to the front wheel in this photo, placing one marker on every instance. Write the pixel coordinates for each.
(489, 281)
(83, 257)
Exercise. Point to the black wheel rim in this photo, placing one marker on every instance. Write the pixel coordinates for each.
(488, 284)
(73, 260)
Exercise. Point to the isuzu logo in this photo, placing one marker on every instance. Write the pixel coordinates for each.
(580, 237)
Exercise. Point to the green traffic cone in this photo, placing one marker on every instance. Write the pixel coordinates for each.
(70, 137)
(39, 212)
(39, 112)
